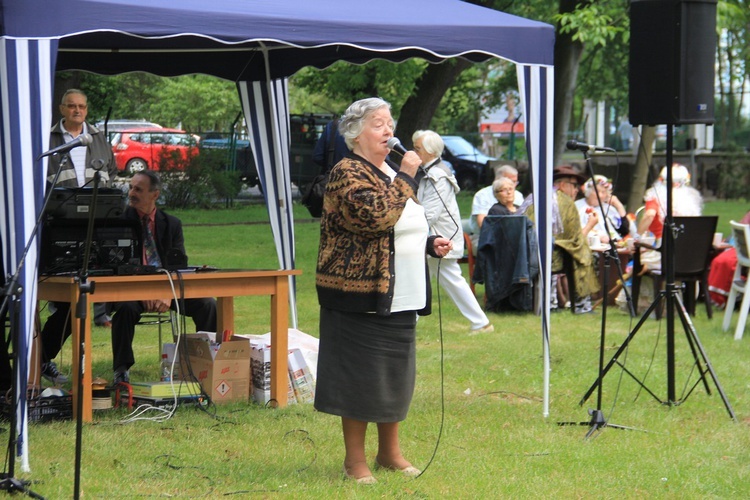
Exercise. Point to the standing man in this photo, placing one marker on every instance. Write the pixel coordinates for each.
(77, 169)
(331, 146)
(437, 194)
(162, 235)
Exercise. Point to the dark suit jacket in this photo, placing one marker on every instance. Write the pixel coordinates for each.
(169, 237)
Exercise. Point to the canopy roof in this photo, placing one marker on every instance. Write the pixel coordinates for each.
(168, 37)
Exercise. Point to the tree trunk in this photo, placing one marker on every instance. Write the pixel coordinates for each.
(567, 58)
(642, 164)
(419, 108)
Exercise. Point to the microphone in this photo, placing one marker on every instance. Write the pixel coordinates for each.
(579, 146)
(81, 140)
(395, 145)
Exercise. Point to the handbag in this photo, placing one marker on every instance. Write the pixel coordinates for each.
(313, 195)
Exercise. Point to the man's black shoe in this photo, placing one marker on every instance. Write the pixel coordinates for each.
(51, 373)
(121, 377)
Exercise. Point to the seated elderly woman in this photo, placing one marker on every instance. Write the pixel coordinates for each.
(505, 191)
(618, 224)
(686, 202)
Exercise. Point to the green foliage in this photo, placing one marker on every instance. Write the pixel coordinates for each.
(592, 23)
(734, 176)
(194, 102)
(196, 181)
(197, 102)
(342, 83)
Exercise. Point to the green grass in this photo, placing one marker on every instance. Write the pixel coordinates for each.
(495, 441)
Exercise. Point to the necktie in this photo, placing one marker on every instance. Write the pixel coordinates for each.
(149, 245)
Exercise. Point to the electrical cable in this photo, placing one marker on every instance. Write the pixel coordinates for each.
(442, 379)
(440, 328)
(163, 414)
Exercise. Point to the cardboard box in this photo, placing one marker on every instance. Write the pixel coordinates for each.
(263, 396)
(302, 380)
(260, 361)
(223, 370)
(260, 368)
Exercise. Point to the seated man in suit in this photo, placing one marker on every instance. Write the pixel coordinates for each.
(162, 233)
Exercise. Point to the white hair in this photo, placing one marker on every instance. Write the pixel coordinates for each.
(432, 143)
(352, 122)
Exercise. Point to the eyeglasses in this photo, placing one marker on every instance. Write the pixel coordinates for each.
(76, 106)
(574, 184)
(504, 190)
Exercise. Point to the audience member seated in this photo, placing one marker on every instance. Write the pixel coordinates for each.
(506, 262)
(686, 202)
(611, 208)
(568, 236)
(162, 233)
(504, 190)
(722, 271)
(484, 199)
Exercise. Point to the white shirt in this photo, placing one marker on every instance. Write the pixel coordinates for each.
(613, 218)
(483, 201)
(77, 155)
(410, 239)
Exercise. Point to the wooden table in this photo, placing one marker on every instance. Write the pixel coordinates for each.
(224, 285)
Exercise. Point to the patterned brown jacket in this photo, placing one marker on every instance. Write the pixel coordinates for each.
(355, 270)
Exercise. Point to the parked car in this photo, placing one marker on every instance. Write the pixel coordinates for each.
(471, 166)
(241, 160)
(141, 148)
(305, 130)
(111, 127)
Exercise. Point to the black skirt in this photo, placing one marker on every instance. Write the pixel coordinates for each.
(366, 365)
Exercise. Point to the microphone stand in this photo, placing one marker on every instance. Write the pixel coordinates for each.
(598, 421)
(85, 287)
(8, 482)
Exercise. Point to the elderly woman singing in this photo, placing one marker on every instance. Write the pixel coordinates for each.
(372, 281)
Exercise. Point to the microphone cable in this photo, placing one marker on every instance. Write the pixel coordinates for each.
(440, 327)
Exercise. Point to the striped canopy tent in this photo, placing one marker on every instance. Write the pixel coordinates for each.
(257, 44)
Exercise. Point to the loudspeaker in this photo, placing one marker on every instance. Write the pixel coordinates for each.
(672, 57)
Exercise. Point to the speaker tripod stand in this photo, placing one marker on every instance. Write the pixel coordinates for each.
(670, 295)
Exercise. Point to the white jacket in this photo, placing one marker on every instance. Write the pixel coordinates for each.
(437, 194)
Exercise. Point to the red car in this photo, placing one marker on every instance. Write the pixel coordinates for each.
(143, 148)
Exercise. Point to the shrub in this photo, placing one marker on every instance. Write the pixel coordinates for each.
(734, 176)
(198, 181)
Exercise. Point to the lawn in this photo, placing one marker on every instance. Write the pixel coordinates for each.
(476, 422)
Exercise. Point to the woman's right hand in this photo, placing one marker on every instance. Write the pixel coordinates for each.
(410, 163)
(592, 222)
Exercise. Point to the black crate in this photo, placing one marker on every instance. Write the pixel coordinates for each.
(44, 409)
